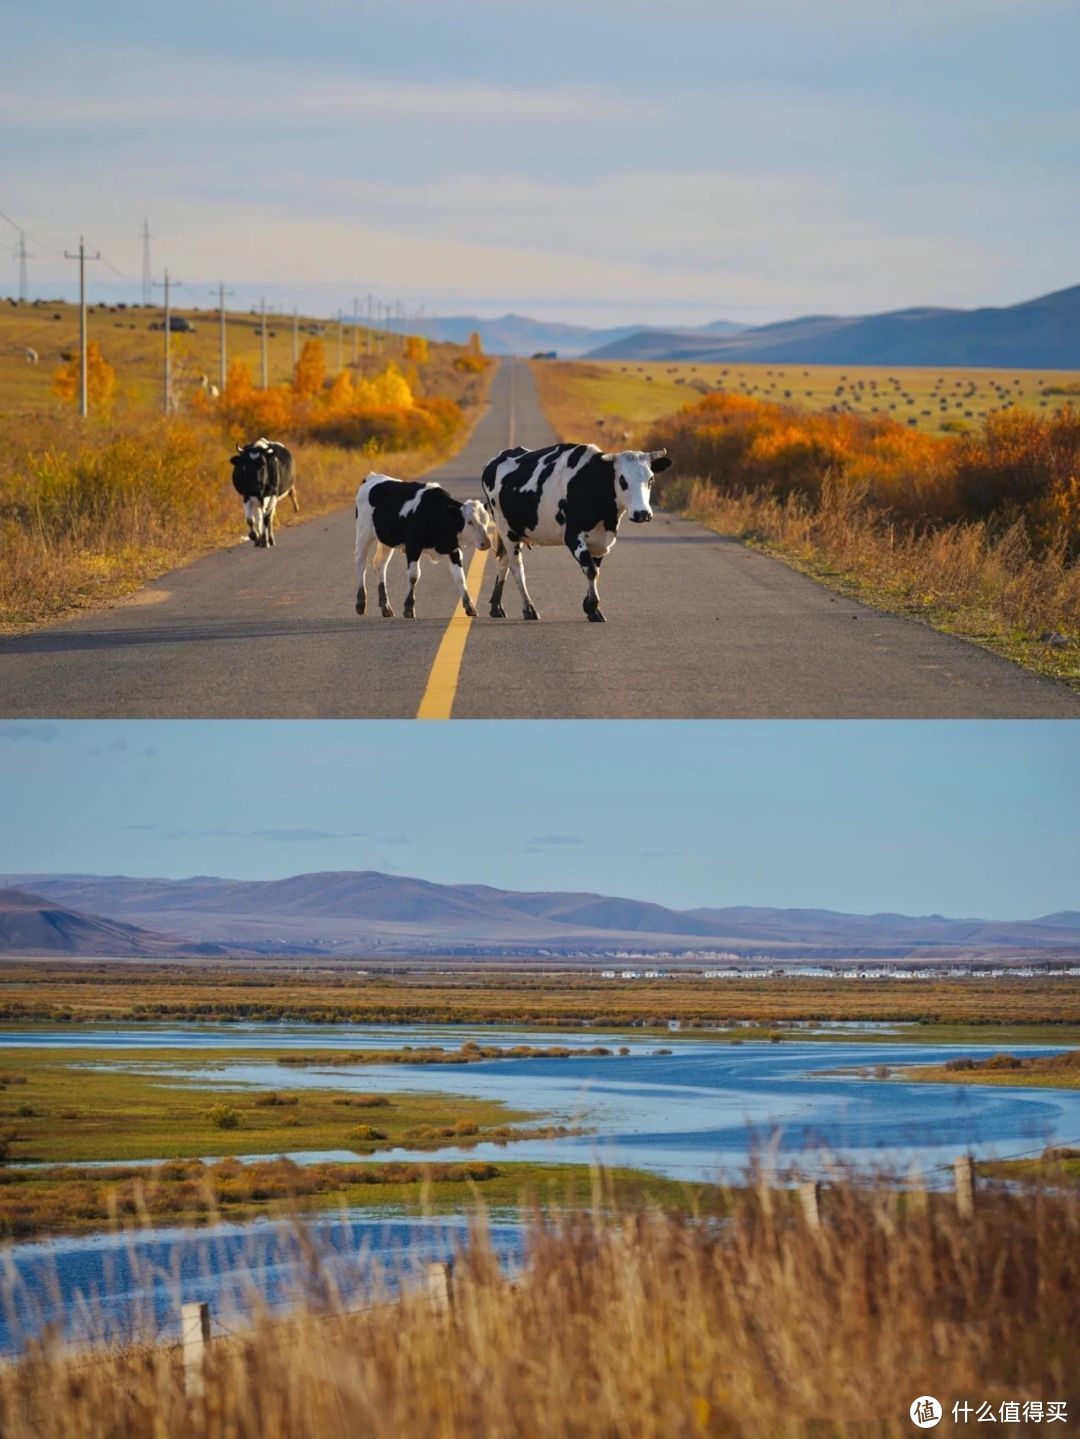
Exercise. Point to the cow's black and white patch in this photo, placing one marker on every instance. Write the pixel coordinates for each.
(572, 495)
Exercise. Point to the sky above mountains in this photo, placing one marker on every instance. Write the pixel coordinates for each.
(960, 819)
(597, 162)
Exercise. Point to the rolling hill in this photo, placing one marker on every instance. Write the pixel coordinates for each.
(1039, 333)
(31, 924)
(368, 912)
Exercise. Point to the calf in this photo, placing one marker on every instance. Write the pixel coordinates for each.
(411, 516)
(572, 495)
(263, 473)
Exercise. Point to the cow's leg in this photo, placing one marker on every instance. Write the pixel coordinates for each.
(253, 515)
(366, 543)
(463, 589)
(528, 609)
(268, 520)
(502, 560)
(590, 568)
(413, 558)
(295, 500)
(383, 556)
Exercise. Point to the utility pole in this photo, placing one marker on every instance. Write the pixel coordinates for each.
(147, 273)
(355, 329)
(295, 338)
(24, 255)
(81, 256)
(166, 398)
(340, 343)
(262, 344)
(370, 310)
(222, 341)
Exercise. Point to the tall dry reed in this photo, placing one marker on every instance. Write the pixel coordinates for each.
(645, 1326)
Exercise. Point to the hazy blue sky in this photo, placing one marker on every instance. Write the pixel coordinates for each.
(593, 159)
(972, 818)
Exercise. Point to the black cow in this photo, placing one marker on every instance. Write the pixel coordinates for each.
(572, 495)
(263, 473)
(412, 516)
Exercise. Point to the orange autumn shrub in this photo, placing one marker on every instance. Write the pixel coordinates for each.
(1020, 466)
(378, 412)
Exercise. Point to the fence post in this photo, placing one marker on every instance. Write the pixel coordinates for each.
(964, 1170)
(440, 1284)
(195, 1342)
(810, 1199)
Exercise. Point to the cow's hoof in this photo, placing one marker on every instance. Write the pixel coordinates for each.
(497, 612)
(387, 612)
(529, 612)
(470, 610)
(597, 618)
(360, 607)
(408, 613)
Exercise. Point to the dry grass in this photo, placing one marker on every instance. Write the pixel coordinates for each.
(642, 1327)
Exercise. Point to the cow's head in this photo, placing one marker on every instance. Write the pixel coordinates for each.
(255, 468)
(634, 471)
(478, 527)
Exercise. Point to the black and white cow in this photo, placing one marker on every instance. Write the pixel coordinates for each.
(572, 495)
(263, 473)
(412, 516)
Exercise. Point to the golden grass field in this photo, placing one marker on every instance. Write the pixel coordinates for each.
(628, 396)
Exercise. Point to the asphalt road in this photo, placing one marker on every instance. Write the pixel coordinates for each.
(698, 627)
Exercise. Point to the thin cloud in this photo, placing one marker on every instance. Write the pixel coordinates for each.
(555, 839)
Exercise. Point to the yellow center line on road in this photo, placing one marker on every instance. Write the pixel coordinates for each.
(438, 700)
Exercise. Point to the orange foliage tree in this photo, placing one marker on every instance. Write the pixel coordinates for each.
(100, 380)
(416, 349)
(310, 373)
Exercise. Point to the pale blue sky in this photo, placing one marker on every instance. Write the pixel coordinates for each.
(599, 160)
(956, 818)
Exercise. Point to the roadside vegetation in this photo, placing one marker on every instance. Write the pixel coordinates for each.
(975, 529)
(91, 509)
(1003, 1011)
(636, 1323)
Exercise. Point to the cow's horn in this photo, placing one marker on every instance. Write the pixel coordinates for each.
(657, 454)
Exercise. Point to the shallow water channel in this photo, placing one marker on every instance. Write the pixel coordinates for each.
(699, 1112)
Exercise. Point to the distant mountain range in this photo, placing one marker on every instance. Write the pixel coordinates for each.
(356, 913)
(519, 335)
(1037, 334)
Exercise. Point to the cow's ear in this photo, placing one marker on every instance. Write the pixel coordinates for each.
(234, 459)
(662, 464)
